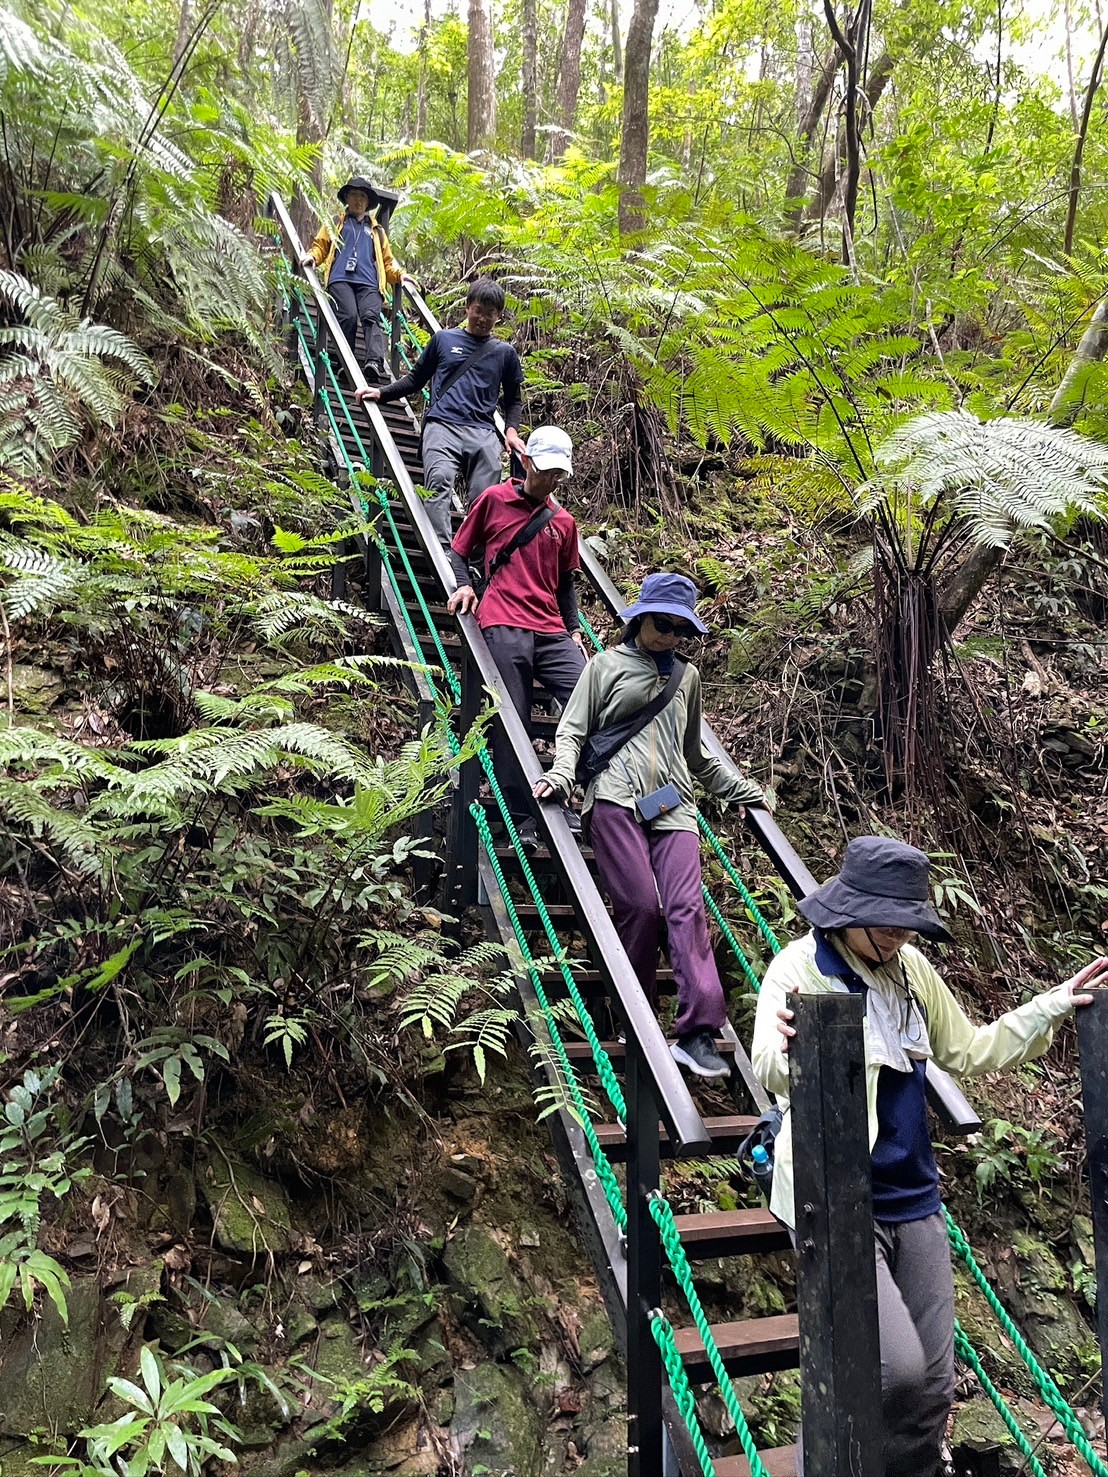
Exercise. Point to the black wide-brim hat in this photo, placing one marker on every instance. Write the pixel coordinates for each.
(882, 884)
(359, 182)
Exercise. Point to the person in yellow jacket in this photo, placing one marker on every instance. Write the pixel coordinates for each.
(865, 920)
(357, 265)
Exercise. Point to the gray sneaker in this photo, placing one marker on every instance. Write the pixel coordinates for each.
(697, 1052)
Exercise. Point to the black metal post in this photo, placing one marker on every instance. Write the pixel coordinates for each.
(644, 1275)
(840, 1366)
(1092, 1034)
(394, 328)
(463, 844)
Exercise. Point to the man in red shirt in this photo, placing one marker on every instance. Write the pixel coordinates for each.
(528, 611)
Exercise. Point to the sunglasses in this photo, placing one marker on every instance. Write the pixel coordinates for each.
(665, 626)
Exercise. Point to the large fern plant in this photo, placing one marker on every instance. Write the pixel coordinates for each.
(58, 373)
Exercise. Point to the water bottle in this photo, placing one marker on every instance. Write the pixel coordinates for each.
(761, 1167)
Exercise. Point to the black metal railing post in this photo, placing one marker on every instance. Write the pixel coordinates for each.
(395, 328)
(840, 1362)
(463, 842)
(644, 1274)
(1092, 1035)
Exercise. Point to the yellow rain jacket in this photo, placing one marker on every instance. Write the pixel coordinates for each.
(325, 247)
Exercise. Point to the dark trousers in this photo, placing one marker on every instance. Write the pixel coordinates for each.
(650, 876)
(915, 1316)
(356, 303)
(524, 658)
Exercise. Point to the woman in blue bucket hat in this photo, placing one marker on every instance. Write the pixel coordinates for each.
(865, 920)
(644, 699)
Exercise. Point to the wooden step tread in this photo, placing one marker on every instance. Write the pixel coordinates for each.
(778, 1462)
(726, 1132)
(581, 1051)
(752, 1346)
(731, 1233)
(529, 912)
(589, 978)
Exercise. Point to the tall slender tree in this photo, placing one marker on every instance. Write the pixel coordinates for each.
(530, 78)
(481, 119)
(635, 138)
(569, 78)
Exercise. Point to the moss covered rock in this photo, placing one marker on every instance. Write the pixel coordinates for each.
(490, 1299)
(496, 1429)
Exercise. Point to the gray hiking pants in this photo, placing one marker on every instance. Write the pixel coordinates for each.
(915, 1315)
(524, 658)
(473, 451)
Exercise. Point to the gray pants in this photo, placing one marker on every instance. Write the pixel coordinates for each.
(915, 1316)
(473, 451)
(524, 658)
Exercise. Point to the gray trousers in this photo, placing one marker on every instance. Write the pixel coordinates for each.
(915, 1315)
(472, 451)
(524, 658)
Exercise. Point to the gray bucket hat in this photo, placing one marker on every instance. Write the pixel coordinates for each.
(882, 883)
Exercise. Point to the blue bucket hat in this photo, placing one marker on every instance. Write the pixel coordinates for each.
(665, 594)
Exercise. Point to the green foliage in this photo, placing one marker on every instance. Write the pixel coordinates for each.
(55, 372)
(36, 1154)
(167, 1422)
(1004, 1153)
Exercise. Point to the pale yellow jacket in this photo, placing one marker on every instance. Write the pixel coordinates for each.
(326, 244)
(956, 1043)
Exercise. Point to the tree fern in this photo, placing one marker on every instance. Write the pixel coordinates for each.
(1002, 476)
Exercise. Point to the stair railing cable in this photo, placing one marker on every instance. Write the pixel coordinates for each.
(660, 1210)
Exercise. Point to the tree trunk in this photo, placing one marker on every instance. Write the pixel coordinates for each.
(966, 583)
(829, 176)
(530, 77)
(1079, 147)
(796, 190)
(569, 80)
(635, 137)
(421, 95)
(481, 118)
(617, 46)
(853, 48)
(184, 26)
(1092, 349)
(312, 105)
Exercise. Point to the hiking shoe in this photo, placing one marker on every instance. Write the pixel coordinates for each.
(573, 821)
(528, 832)
(697, 1052)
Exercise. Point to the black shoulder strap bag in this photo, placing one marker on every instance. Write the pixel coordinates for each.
(452, 379)
(601, 747)
(534, 525)
(466, 365)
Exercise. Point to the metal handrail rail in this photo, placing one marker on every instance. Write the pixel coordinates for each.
(948, 1100)
(675, 1103)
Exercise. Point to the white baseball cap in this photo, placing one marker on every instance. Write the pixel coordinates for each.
(549, 447)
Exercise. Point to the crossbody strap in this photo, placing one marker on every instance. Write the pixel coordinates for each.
(459, 369)
(534, 525)
(628, 727)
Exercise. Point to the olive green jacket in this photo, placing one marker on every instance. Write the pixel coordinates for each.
(616, 684)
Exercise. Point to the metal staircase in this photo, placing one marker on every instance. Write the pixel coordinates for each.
(547, 905)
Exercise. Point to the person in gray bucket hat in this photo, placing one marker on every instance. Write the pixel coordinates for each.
(864, 922)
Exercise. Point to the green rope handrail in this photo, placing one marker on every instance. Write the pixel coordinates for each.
(1047, 1387)
(662, 1213)
(969, 1355)
(683, 1396)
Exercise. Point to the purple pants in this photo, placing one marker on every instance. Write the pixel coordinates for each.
(649, 876)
